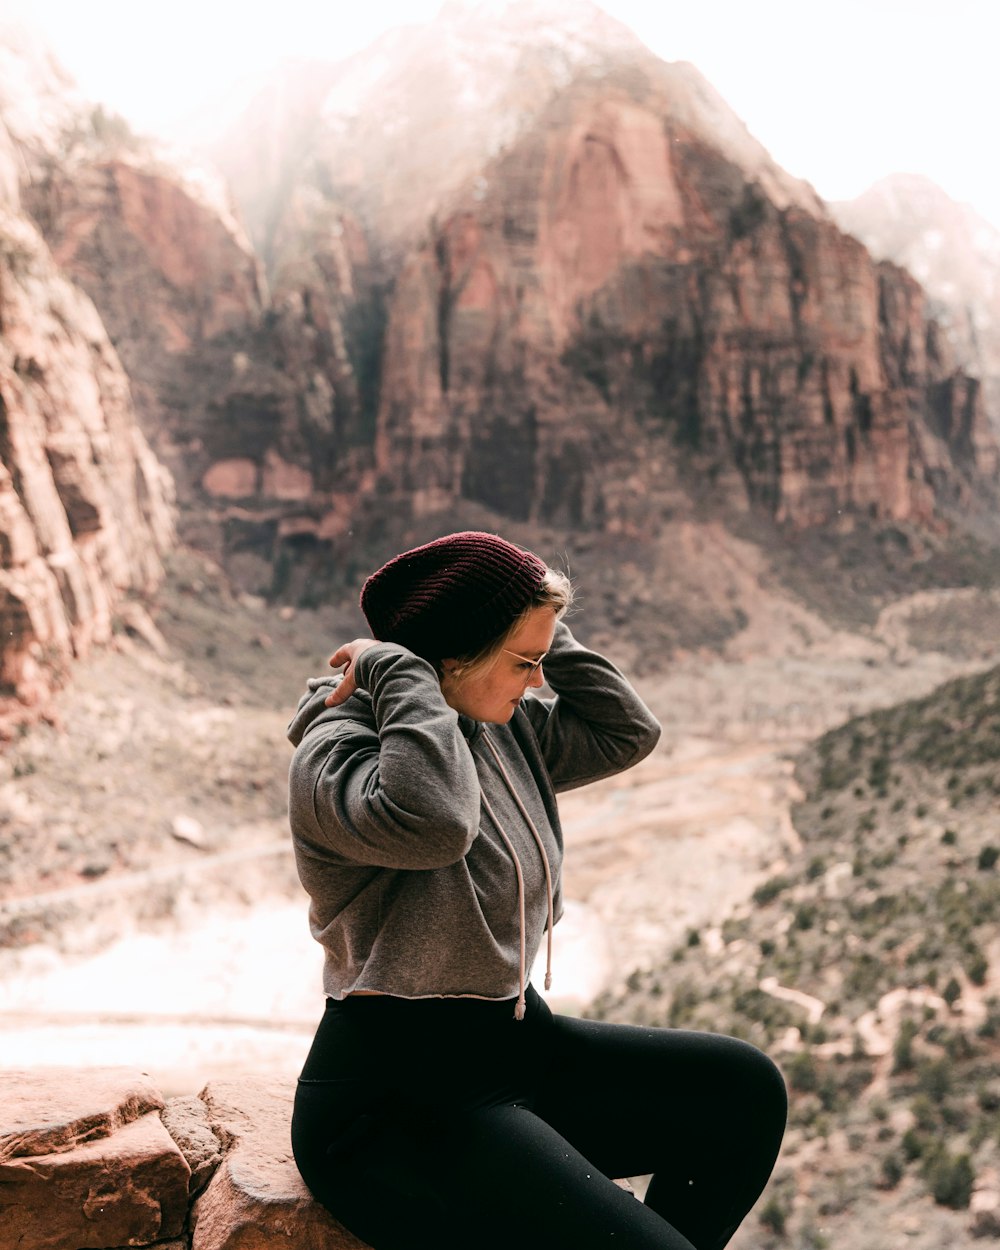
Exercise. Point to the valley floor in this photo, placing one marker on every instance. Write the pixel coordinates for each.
(149, 911)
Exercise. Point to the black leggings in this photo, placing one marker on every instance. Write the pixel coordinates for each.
(446, 1123)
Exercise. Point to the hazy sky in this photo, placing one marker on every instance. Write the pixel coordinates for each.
(841, 92)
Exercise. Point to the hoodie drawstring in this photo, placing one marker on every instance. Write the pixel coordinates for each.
(520, 1008)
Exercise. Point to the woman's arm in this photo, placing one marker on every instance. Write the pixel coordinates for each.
(384, 777)
(596, 725)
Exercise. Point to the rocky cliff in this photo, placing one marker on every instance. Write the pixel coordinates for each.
(601, 298)
(245, 396)
(954, 253)
(519, 272)
(85, 508)
(619, 311)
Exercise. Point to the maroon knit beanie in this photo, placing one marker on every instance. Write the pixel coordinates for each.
(453, 596)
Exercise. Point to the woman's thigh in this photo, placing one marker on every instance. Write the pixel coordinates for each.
(492, 1178)
(702, 1112)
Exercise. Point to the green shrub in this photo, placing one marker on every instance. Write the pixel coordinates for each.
(913, 1144)
(816, 868)
(934, 1079)
(774, 1216)
(770, 890)
(977, 966)
(891, 1171)
(802, 1073)
(950, 1179)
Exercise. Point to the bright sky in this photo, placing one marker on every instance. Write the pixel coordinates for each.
(841, 92)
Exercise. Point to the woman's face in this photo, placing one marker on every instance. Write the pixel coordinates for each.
(492, 694)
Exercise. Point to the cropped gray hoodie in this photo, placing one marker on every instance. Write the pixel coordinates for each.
(430, 844)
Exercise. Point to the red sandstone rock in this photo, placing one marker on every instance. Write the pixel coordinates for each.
(87, 1162)
(652, 310)
(256, 1199)
(186, 1121)
(952, 251)
(58, 1109)
(85, 509)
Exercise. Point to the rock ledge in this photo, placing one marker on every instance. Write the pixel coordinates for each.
(98, 1158)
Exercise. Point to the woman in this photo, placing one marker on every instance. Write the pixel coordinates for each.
(442, 1104)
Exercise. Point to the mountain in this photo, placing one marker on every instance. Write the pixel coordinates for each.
(85, 507)
(599, 293)
(396, 129)
(507, 270)
(952, 251)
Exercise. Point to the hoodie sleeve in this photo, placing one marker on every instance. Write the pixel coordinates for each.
(387, 778)
(596, 725)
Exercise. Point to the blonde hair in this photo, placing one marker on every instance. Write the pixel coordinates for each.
(555, 591)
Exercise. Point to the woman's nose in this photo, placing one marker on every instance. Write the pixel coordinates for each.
(537, 677)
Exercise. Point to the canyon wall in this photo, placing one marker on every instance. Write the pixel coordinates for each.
(955, 255)
(604, 304)
(85, 508)
(529, 275)
(620, 313)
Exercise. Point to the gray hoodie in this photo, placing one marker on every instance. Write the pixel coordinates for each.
(421, 835)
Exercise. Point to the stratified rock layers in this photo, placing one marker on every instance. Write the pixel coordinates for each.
(625, 311)
(85, 508)
(620, 310)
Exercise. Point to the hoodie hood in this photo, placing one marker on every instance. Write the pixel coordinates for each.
(312, 707)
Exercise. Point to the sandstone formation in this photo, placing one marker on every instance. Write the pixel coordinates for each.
(96, 1158)
(602, 298)
(256, 1198)
(257, 404)
(518, 270)
(394, 131)
(85, 508)
(86, 1161)
(952, 251)
(621, 311)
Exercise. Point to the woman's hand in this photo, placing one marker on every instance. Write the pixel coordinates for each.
(347, 655)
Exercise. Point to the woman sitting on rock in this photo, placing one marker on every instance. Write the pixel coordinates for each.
(442, 1104)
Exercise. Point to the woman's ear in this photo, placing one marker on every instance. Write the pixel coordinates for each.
(448, 667)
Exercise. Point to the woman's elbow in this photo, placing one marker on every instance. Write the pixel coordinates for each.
(439, 844)
(651, 736)
(424, 839)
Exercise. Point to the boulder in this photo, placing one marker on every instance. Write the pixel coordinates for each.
(256, 1200)
(86, 1161)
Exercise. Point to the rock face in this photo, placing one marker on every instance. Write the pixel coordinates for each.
(254, 402)
(86, 1161)
(165, 262)
(256, 1198)
(620, 303)
(955, 255)
(620, 310)
(97, 1159)
(517, 268)
(85, 508)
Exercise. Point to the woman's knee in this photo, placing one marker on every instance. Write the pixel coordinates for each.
(758, 1077)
